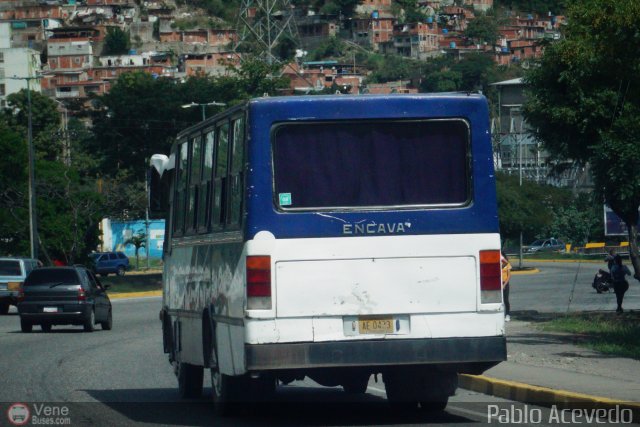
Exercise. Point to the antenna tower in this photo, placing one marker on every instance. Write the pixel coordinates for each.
(262, 25)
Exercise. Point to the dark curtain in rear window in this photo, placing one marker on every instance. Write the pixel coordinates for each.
(10, 268)
(43, 276)
(325, 165)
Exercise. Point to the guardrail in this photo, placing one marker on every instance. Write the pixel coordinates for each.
(600, 248)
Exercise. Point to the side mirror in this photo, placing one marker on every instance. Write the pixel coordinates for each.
(159, 180)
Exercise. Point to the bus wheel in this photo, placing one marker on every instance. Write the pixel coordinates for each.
(356, 385)
(436, 405)
(189, 380)
(225, 391)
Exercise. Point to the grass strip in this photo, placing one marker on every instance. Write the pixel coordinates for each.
(607, 333)
(133, 283)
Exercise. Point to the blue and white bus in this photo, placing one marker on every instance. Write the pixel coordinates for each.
(333, 237)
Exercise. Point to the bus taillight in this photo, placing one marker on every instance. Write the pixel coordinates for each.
(258, 282)
(490, 277)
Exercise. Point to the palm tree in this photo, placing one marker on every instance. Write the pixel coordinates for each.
(139, 241)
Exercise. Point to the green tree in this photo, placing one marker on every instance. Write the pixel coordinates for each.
(584, 103)
(477, 71)
(346, 8)
(44, 114)
(394, 68)
(141, 116)
(578, 222)
(536, 6)
(442, 81)
(407, 11)
(67, 205)
(331, 47)
(527, 208)
(51, 216)
(483, 28)
(69, 210)
(14, 232)
(138, 240)
(116, 42)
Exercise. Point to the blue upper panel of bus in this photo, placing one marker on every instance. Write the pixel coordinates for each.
(479, 215)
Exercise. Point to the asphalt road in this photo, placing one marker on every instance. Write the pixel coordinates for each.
(121, 377)
(562, 287)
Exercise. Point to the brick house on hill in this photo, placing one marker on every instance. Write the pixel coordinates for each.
(323, 75)
(314, 29)
(417, 40)
(212, 63)
(220, 38)
(371, 32)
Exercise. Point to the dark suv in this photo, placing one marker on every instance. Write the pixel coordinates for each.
(104, 263)
(63, 296)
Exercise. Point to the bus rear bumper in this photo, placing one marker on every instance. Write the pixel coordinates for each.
(472, 351)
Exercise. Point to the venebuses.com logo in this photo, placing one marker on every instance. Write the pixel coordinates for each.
(18, 414)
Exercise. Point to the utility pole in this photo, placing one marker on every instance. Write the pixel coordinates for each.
(262, 25)
(146, 213)
(33, 223)
(515, 113)
(66, 144)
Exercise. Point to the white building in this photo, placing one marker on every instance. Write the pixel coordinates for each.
(18, 62)
(5, 35)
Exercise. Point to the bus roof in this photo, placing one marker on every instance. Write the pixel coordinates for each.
(294, 101)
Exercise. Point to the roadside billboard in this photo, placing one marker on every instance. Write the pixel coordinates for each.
(115, 233)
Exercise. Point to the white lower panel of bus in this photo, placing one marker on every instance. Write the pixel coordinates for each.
(334, 328)
(376, 286)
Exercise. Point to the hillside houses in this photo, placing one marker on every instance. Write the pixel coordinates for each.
(175, 42)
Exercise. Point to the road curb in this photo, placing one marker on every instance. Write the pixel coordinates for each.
(136, 294)
(542, 396)
(571, 261)
(524, 272)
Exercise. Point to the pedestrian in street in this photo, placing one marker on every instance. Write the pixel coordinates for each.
(506, 277)
(609, 259)
(619, 272)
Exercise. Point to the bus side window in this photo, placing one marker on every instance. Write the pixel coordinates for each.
(181, 189)
(236, 173)
(194, 182)
(204, 204)
(220, 179)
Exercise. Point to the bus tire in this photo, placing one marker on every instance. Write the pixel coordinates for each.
(356, 385)
(25, 325)
(435, 405)
(401, 396)
(167, 334)
(226, 392)
(189, 380)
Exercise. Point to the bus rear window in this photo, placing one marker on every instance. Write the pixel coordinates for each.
(371, 164)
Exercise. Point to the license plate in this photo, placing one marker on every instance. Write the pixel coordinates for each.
(50, 310)
(380, 325)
